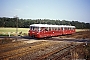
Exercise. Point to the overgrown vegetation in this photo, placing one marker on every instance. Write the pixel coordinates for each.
(24, 23)
(6, 40)
(87, 48)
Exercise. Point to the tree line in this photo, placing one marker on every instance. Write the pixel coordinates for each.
(25, 23)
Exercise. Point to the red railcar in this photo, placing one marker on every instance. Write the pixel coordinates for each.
(45, 30)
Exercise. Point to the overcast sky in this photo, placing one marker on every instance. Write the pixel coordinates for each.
(72, 10)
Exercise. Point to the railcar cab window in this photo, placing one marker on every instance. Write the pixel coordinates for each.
(34, 28)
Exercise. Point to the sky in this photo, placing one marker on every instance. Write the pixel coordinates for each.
(71, 10)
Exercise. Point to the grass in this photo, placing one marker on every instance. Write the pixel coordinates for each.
(78, 30)
(6, 31)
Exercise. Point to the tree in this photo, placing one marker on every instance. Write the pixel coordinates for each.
(24, 23)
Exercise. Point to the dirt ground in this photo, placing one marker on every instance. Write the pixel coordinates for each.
(78, 35)
(41, 49)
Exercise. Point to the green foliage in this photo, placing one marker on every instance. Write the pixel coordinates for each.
(3, 35)
(24, 23)
(6, 35)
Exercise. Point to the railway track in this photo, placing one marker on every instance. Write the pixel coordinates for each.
(8, 49)
(56, 54)
(24, 50)
(17, 45)
(42, 50)
(53, 52)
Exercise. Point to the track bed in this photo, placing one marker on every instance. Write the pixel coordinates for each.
(38, 50)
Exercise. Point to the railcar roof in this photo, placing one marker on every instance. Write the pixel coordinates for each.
(47, 25)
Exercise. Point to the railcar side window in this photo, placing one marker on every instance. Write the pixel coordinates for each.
(46, 28)
(72, 28)
(62, 28)
(58, 28)
(50, 29)
(55, 28)
(68, 28)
